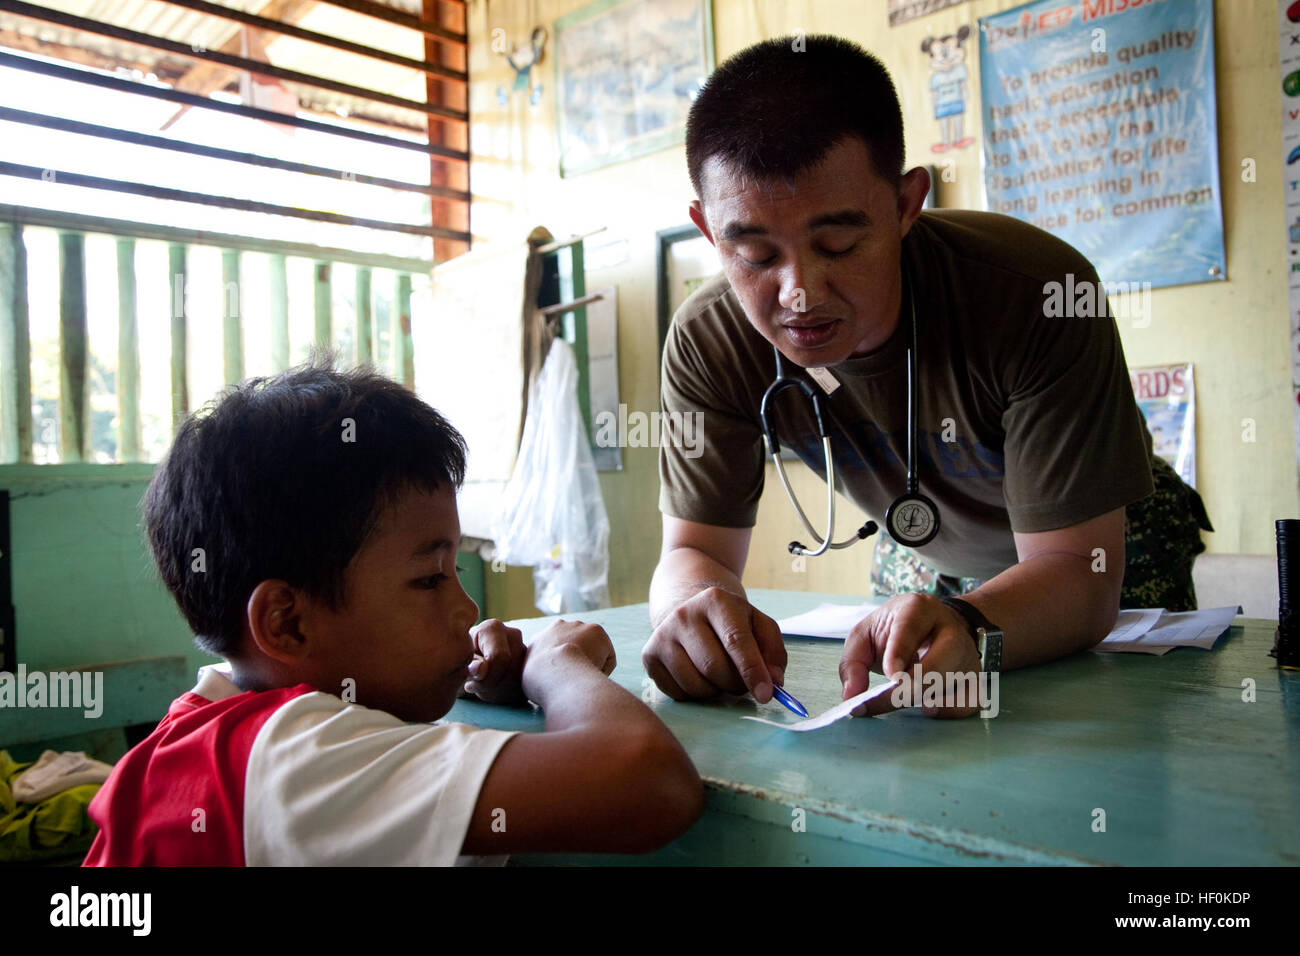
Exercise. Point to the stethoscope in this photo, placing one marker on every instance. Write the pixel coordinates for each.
(913, 519)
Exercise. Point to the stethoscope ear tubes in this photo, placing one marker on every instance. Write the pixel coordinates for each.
(913, 520)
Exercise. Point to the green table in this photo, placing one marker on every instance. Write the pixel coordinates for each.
(1185, 770)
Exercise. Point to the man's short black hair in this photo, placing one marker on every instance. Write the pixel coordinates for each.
(285, 478)
(774, 109)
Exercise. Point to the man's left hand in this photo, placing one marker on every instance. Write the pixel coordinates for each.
(905, 630)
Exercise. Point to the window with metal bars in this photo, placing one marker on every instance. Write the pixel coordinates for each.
(193, 192)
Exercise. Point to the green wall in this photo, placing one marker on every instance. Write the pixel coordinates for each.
(85, 590)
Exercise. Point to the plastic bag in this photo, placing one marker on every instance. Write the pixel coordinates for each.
(553, 515)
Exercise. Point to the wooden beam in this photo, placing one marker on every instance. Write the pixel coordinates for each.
(252, 66)
(176, 254)
(53, 219)
(74, 351)
(203, 79)
(232, 329)
(208, 78)
(429, 25)
(365, 325)
(311, 108)
(324, 306)
(403, 359)
(573, 287)
(268, 25)
(15, 349)
(223, 202)
(257, 160)
(105, 81)
(455, 135)
(128, 356)
(17, 40)
(279, 314)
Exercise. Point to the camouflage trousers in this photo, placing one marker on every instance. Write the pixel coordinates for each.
(1162, 537)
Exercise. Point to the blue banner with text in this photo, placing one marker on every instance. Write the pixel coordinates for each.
(1099, 126)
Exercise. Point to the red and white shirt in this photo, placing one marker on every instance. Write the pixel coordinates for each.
(290, 777)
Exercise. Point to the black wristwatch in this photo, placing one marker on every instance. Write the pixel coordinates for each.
(987, 635)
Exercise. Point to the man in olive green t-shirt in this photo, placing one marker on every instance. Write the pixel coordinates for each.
(1029, 440)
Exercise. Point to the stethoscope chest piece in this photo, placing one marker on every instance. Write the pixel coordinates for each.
(913, 520)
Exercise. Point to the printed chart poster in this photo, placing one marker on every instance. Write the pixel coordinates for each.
(1099, 126)
(626, 72)
(1168, 401)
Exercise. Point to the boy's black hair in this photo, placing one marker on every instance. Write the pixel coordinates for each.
(265, 480)
(775, 109)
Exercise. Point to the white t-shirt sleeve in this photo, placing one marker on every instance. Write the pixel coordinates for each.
(333, 783)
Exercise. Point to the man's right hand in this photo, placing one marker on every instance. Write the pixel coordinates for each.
(715, 643)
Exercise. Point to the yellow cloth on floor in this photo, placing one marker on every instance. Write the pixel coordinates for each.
(55, 772)
(55, 827)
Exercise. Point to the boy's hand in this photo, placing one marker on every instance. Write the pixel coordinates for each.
(496, 674)
(559, 642)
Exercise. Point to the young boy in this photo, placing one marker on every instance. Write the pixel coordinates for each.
(307, 527)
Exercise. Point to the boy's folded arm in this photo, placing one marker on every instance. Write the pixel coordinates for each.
(606, 776)
(332, 783)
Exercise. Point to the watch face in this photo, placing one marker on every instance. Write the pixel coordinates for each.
(913, 520)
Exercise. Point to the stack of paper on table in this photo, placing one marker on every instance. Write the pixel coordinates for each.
(830, 621)
(1146, 631)
(1156, 631)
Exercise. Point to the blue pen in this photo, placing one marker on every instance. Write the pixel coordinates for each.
(787, 701)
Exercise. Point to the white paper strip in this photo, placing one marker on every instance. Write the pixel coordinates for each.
(838, 712)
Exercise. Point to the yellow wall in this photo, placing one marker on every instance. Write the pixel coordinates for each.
(1235, 332)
